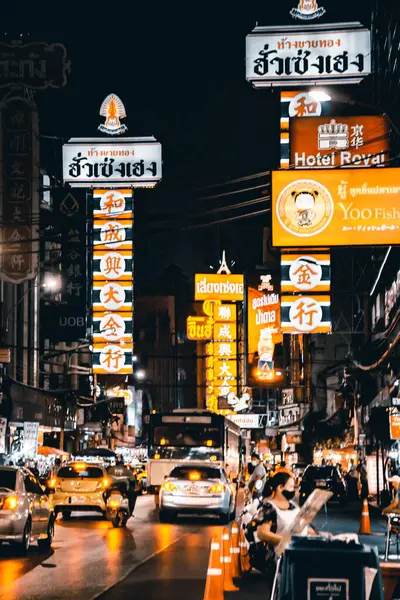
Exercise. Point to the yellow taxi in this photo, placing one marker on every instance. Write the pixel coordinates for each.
(79, 486)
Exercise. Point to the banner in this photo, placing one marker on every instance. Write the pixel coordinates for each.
(306, 314)
(3, 432)
(344, 207)
(331, 142)
(30, 443)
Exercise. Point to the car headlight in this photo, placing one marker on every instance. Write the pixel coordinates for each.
(10, 503)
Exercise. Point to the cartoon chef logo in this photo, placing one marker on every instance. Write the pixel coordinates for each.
(304, 208)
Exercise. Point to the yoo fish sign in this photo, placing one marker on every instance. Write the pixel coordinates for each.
(308, 54)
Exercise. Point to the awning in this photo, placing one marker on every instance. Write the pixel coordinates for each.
(49, 451)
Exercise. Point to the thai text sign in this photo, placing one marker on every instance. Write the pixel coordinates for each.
(37, 65)
(31, 436)
(263, 323)
(394, 422)
(345, 207)
(112, 281)
(127, 162)
(215, 286)
(306, 314)
(326, 142)
(302, 55)
(305, 272)
(199, 328)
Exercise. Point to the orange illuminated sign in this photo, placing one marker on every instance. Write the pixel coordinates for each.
(394, 421)
(305, 272)
(218, 286)
(344, 207)
(332, 142)
(306, 314)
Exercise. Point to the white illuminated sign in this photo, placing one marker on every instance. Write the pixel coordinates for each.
(105, 163)
(113, 234)
(112, 265)
(328, 54)
(112, 327)
(112, 359)
(112, 296)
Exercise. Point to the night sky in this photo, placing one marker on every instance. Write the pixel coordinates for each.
(180, 70)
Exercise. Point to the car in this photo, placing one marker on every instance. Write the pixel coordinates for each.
(326, 478)
(79, 486)
(198, 488)
(26, 511)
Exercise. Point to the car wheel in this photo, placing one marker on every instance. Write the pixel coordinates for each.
(166, 516)
(66, 514)
(23, 546)
(46, 543)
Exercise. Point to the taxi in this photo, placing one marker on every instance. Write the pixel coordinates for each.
(79, 486)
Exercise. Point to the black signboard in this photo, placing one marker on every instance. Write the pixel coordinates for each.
(328, 589)
(116, 406)
(37, 65)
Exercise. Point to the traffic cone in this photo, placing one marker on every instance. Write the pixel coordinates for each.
(235, 550)
(214, 589)
(365, 525)
(244, 553)
(226, 559)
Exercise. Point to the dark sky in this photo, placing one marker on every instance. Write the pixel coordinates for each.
(179, 69)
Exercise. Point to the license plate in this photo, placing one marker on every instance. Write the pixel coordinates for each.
(76, 500)
(320, 483)
(193, 490)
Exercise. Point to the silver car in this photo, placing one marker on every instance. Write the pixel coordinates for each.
(198, 488)
(26, 512)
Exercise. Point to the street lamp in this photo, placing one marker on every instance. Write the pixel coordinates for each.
(140, 374)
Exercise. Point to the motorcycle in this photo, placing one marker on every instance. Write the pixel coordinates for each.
(118, 509)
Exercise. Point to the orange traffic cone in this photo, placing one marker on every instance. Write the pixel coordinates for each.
(226, 559)
(214, 589)
(365, 525)
(244, 554)
(235, 550)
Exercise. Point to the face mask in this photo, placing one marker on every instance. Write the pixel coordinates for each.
(288, 495)
(254, 463)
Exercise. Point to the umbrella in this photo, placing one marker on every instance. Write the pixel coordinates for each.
(102, 452)
(50, 451)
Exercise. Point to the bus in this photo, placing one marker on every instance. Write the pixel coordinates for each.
(191, 436)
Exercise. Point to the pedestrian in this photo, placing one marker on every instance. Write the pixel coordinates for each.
(362, 470)
(259, 474)
(352, 481)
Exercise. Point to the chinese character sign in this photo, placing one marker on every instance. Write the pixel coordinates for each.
(302, 56)
(343, 207)
(134, 162)
(112, 292)
(262, 324)
(327, 142)
(19, 235)
(303, 273)
(306, 314)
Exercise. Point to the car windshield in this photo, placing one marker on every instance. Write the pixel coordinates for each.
(196, 473)
(314, 473)
(8, 479)
(75, 471)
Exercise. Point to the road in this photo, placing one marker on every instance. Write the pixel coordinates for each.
(90, 559)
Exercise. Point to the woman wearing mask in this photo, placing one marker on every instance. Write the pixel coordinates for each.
(278, 514)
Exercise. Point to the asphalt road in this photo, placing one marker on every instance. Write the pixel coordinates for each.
(90, 559)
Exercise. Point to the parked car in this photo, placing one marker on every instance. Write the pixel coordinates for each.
(198, 489)
(26, 512)
(79, 486)
(326, 478)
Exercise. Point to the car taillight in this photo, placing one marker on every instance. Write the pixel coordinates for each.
(218, 488)
(54, 483)
(168, 487)
(112, 503)
(103, 484)
(10, 503)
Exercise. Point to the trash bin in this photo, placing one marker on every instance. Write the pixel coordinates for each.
(317, 568)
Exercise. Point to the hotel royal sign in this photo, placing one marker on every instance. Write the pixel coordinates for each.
(112, 167)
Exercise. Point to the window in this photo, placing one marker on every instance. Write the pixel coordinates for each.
(186, 434)
(8, 479)
(203, 473)
(76, 472)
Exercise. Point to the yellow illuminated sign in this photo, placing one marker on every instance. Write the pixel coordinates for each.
(209, 286)
(199, 328)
